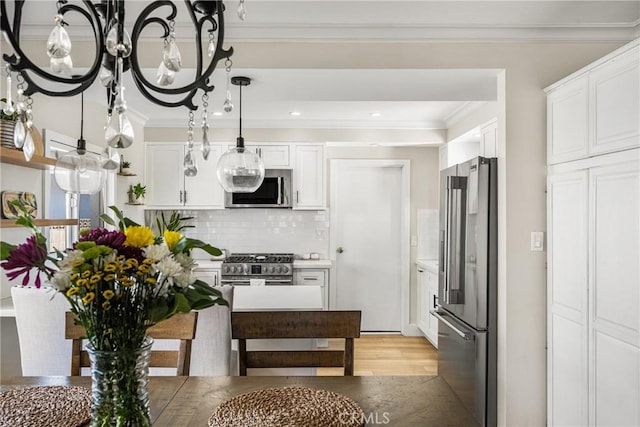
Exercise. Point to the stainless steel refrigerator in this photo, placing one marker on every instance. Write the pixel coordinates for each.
(467, 285)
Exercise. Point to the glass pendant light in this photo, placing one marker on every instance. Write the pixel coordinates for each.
(80, 171)
(240, 170)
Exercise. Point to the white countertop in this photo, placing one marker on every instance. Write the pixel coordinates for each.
(429, 264)
(208, 264)
(311, 263)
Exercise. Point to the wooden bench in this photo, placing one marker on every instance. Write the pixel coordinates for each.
(246, 325)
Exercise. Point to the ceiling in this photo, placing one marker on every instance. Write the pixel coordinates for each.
(365, 98)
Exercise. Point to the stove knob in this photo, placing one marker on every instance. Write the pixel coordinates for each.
(285, 269)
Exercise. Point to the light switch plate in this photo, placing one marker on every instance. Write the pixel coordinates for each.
(414, 240)
(537, 241)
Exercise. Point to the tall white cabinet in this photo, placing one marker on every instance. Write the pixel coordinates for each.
(593, 269)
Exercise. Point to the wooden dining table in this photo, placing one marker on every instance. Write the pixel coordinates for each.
(418, 401)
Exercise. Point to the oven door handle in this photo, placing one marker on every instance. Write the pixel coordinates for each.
(247, 281)
(465, 336)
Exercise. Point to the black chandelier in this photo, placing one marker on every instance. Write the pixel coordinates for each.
(116, 53)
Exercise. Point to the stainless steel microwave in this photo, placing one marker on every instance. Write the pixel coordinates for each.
(274, 192)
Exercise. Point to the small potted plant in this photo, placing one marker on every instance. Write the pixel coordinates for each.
(7, 124)
(136, 194)
(125, 168)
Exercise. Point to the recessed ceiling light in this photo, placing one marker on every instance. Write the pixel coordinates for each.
(375, 114)
(217, 113)
(294, 113)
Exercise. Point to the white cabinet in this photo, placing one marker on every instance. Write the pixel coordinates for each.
(320, 277)
(427, 301)
(614, 91)
(596, 109)
(209, 275)
(274, 156)
(489, 140)
(167, 185)
(567, 121)
(309, 177)
(594, 291)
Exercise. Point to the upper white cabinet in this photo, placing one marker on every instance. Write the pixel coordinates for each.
(489, 140)
(596, 110)
(274, 156)
(167, 185)
(309, 177)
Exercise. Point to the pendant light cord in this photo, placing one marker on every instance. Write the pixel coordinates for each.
(82, 144)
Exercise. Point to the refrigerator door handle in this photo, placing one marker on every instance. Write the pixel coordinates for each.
(455, 238)
(465, 336)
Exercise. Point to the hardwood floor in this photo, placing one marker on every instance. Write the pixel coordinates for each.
(388, 355)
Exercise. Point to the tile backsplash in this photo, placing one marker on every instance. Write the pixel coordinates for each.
(260, 230)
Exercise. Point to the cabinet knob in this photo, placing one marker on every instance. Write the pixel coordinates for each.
(339, 250)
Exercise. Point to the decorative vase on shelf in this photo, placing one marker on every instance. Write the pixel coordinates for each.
(119, 385)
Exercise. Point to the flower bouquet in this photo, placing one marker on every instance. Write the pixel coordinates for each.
(119, 282)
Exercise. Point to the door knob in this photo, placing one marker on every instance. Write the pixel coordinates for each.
(339, 250)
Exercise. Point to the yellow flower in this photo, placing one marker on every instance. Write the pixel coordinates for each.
(82, 282)
(110, 277)
(77, 263)
(106, 305)
(171, 238)
(139, 236)
(85, 274)
(95, 278)
(110, 267)
(144, 268)
(72, 291)
(108, 294)
(151, 280)
(88, 297)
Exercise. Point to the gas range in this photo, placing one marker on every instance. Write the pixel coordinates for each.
(261, 268)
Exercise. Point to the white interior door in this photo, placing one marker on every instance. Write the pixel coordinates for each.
(367, 209)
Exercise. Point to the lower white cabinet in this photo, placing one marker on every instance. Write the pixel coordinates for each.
(320, 277)
(427, 301)
(594, 291)
(167, 185)
(209, 275)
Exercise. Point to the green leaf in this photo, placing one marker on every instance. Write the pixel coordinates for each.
(181, 304)
(199, 244)
(180, 246)
(5, 250)
(159, 311)
(205, 288)
(202, 304)
(106, 218)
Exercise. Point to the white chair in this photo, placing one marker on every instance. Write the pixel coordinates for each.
(211, 349)
(40, 317)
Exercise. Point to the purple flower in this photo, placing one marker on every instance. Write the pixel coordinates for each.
(25, 257)
(102, 236)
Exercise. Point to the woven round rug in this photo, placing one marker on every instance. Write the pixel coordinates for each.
(288, 406)
(51, 406)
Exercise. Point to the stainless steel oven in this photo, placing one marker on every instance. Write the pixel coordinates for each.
(257, 269)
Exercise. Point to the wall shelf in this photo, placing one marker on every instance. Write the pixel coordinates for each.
(126, 174)
(10, 223)
(16, 157)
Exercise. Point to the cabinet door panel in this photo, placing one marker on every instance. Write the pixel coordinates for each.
(615, 225)
(568, 383)
(616, 383)
(273, 156)
(164, 174)
(567, 121)
(204, 189)
(615, 93)
(309, 177)
(567, 294)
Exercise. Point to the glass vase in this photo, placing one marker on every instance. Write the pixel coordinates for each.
(119, 389)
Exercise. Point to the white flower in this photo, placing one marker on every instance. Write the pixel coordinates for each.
(184, 279)
(61, 279)
(169, 267)
(72, 256)
(185, 260)
(156, 252)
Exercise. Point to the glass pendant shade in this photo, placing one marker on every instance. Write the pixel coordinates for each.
(80, 173)
(240, 170)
